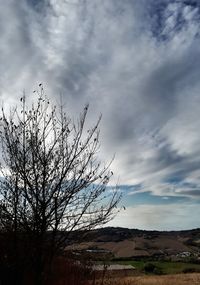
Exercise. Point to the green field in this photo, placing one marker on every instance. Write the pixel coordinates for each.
(164, 266)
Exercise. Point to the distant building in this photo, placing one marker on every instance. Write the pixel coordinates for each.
(184, 254)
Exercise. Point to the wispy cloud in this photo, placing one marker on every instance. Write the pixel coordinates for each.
(137, 62)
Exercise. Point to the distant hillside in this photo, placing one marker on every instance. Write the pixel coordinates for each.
(128, 243)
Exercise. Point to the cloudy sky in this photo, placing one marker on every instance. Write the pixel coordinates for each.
(138, 63)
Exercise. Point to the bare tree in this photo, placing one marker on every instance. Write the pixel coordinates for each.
(53, 182)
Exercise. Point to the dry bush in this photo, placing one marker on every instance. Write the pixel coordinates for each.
(68, 272)
(178, 279)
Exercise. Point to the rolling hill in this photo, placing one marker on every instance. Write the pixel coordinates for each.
(133, 243)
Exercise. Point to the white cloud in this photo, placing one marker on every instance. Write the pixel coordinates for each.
(159, 217)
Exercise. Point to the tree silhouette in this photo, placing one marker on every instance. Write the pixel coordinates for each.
(53, 182)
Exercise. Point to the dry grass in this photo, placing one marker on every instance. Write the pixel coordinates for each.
(178, 279)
